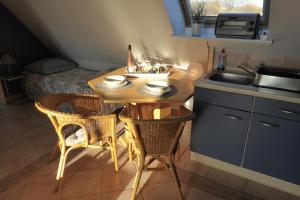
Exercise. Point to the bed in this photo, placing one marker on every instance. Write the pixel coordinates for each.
(70, 81)
(73, 80)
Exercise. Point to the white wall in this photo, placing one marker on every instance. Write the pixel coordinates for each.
(96, 32)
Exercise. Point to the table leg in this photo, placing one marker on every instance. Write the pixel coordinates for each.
(153, 110)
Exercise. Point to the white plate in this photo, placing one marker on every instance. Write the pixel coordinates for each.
(114, 80)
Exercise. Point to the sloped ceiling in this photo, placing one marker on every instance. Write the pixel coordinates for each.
(95, 33)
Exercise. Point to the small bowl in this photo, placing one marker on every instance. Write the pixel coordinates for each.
(114, 80)
(158, 86)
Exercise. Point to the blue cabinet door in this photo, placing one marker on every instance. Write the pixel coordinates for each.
(273, 147)
(219, 132)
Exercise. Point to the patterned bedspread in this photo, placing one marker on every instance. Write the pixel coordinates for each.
(70, 81)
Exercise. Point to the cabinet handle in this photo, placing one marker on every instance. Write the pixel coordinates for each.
(287, 111)
(234, 117)
(267, 124)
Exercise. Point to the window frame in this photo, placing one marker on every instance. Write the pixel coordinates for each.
(210, 21)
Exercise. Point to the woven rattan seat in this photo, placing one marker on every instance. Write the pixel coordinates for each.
(71, 112)
(156, 138)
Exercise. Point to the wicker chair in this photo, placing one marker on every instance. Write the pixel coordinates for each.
(144, 111)
(73, 113)
(156, 138)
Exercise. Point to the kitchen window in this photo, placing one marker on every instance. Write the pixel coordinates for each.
(213, 7)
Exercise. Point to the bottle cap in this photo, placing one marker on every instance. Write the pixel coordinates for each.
(129, 47)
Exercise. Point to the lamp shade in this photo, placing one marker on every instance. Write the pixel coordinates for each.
(7, 59)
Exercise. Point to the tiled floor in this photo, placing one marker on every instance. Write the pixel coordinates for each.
(90, 175)
(25, 136)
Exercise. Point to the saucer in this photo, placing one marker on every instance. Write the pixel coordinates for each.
(169, 91)
(156, 91)
(158, 86)
(104, 85)
(114, 80)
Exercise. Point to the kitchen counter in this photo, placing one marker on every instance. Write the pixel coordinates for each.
(248, 131)
(249, 90)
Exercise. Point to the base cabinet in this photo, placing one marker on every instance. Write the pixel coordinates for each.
(273, 147)
(219, 132)
(259, 134)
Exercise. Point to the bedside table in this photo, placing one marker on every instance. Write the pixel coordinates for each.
(11, 88)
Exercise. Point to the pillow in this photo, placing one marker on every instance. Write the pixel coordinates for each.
(50, 66)
(65, 107)
(76, 138)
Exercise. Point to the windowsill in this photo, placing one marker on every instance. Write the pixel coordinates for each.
(209, 35)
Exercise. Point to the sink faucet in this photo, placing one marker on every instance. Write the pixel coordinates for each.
(246, 70)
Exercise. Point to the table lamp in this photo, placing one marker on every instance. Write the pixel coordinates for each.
(8, 60)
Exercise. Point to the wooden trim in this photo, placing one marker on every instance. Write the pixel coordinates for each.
(210, 58)
(185, 12)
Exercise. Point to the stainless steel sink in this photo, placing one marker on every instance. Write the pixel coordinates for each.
(278, 78)
(231, 78)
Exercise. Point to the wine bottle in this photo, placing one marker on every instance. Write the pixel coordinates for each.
(130, 61)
